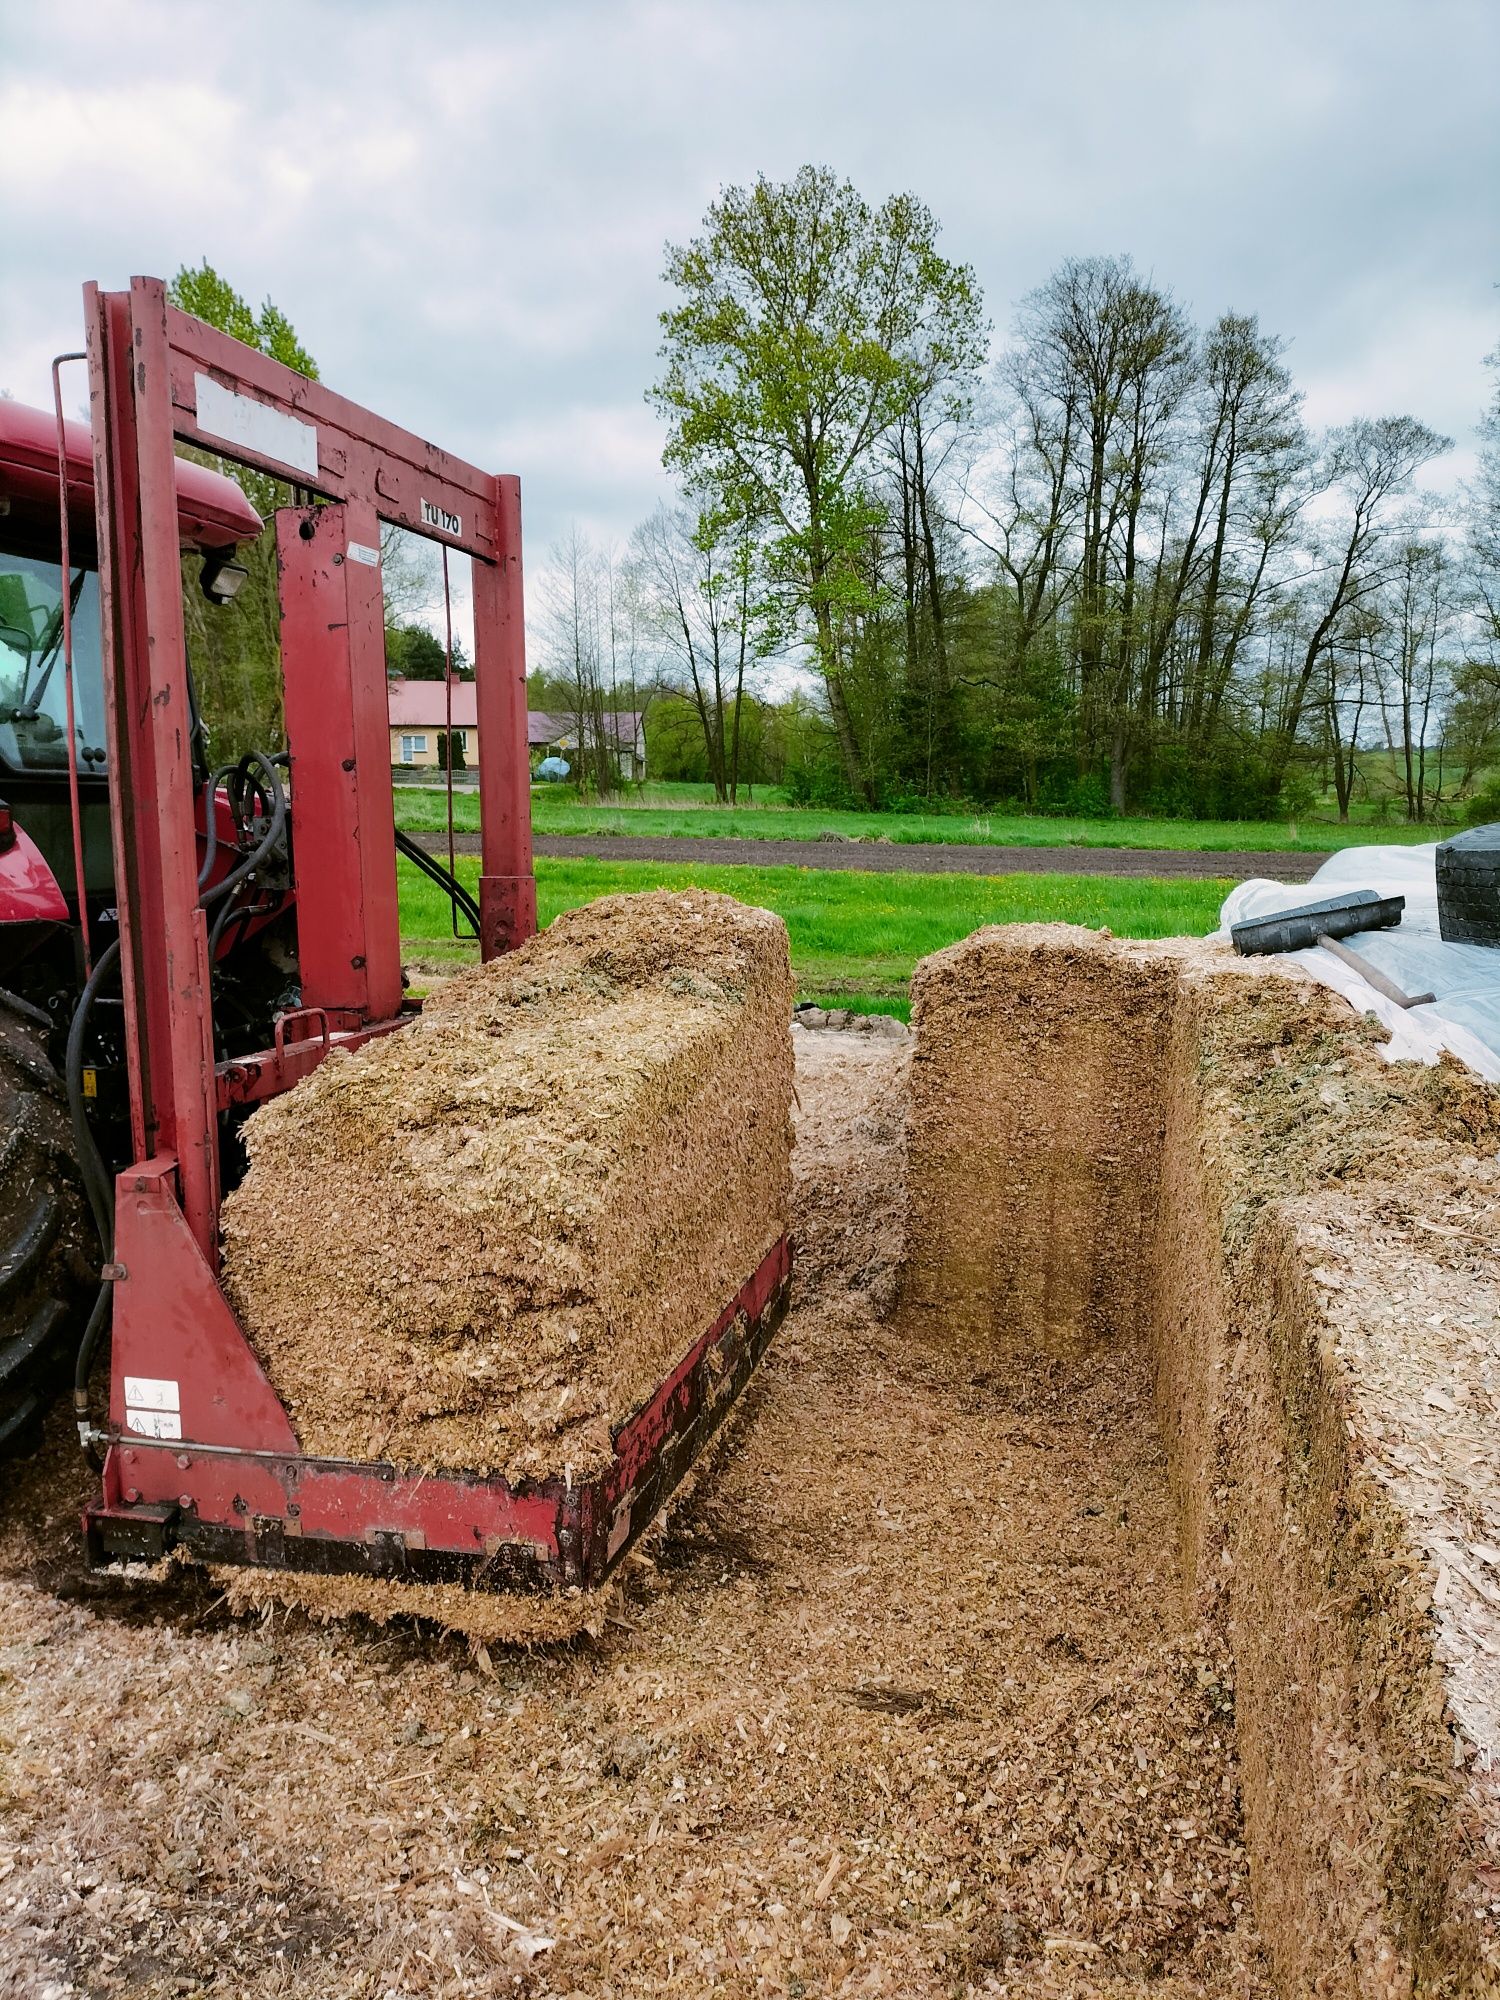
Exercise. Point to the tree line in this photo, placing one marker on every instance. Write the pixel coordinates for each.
(1106, 568)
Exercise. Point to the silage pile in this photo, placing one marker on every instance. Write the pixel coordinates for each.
(481, 1242)
(1158, 1148)
(1035, 1130)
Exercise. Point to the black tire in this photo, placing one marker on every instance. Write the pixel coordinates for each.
(49, 1250)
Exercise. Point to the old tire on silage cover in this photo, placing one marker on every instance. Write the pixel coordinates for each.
(48, 1246)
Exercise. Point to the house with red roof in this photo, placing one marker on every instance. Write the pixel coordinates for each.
(419, 714)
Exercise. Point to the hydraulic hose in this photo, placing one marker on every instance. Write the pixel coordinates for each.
(83, 1368)
(272, 834)
(24, 1008)
(96, 1179)
(97, 1186)
(211, 823)
(434, 870)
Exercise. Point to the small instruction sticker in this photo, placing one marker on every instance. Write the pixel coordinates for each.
(146, 1392)
(361, 552)
(154, 1423)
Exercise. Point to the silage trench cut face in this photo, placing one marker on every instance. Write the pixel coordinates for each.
(1036, 1140)
(1157, 1144)
(480, 1243)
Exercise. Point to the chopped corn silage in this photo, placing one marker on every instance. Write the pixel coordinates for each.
(1159, 1150)
(480, 1243)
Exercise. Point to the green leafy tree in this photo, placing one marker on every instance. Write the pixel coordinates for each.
(450, 750)
(807, 323)
(234, 650)
(207, 296)
(414, 653)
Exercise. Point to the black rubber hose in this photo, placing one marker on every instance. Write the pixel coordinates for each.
(434, 870)
(97, 1186)
(268, 841)
(83, 1368)
(24, 1008)
(91, 1162)
(211, 824)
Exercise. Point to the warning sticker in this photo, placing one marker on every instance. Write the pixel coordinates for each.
(154, 1423)
(147, 1392)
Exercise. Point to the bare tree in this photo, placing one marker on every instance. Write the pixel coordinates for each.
(695, 570)
(1369, 463)
(1351, 666)
(575, 647)
(1418, 618)
(1242, 456)
(411, 574)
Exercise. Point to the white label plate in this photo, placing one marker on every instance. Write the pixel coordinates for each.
(154, 1423)
(361, 552)
(241, 420)
(145, 1392)
(437, 517)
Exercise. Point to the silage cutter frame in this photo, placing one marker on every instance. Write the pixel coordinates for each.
(199, 1451)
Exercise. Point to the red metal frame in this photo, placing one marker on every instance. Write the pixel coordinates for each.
(199, 1448)
(156, 374)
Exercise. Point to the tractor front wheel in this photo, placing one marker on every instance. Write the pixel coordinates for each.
(48, 1247)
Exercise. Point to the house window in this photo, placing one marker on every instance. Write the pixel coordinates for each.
(413, 747)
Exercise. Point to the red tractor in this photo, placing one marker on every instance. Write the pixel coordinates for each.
(179, 943)
(59, 910)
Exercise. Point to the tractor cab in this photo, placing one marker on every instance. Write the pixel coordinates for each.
(34, 716)
(44, 616)
(33, 702)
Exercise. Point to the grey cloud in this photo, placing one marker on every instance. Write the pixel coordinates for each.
(463, 207)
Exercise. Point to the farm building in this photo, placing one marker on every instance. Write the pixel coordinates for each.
(418, 713)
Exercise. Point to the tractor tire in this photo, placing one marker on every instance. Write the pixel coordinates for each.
(49, 1249)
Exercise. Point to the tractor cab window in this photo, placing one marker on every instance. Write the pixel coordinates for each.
(33, 691)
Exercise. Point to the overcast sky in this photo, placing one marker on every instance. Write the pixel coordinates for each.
(462, 208)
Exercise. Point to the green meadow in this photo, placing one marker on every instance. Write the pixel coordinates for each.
(855, 937)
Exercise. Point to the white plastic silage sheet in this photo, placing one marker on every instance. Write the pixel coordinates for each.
(1464, 1018)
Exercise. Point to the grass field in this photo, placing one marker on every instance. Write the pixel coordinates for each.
(665, 811)
(855, 938)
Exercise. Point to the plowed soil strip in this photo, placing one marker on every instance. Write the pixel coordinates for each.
(904, 1707)
(914, 857)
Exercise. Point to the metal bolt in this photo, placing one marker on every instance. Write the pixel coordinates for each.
(183, 1461)
(348, 764)
(132, 1494)
(293, 1509)
(184, 1500)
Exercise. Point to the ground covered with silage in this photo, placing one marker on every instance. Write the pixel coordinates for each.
(905, 1705)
